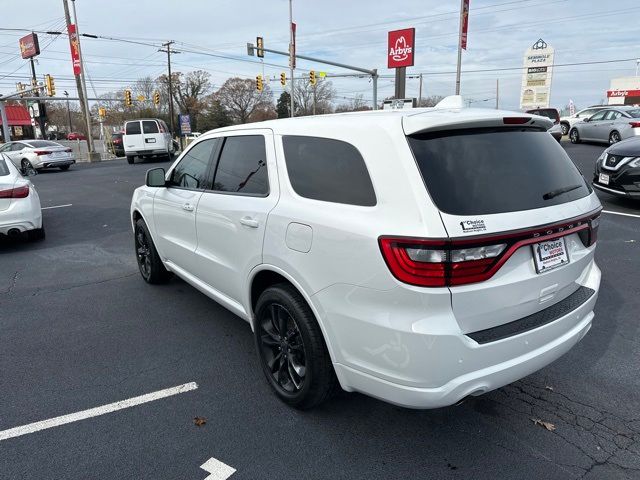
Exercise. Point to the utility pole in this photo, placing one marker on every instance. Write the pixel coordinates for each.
(292, 55)
(169, 51)
(459, 48)
(66, 94)
(314, 99)
(420, 92)
(497, 93)
(41, 110)
(80, 86)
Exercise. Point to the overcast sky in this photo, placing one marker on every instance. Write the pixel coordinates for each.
(352, 32)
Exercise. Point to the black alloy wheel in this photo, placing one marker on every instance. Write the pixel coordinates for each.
(282, 348)
(574, 136)
(26, 166)
(564, 128)
(149, 263)
(291, 348)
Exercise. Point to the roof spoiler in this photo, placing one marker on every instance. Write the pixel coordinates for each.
(450, 102)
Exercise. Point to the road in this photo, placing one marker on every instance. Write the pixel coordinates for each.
(79, 330)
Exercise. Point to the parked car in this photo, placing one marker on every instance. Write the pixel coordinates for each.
(417, 256)
(117, 145)
(617, 170)
(608, 126)
(569, 121)
(76, 136)
(553, 115)
(146, 138)
(38, 154)
(20, 212)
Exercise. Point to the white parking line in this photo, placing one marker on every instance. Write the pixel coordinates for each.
(217, 469)
(94, 412)
(621, 213)
(58, 206)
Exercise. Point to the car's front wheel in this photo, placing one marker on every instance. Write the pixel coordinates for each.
(614, 137)
(291, 348)
(574, 136)
(26, 167)
(149, 263)
(564, 127)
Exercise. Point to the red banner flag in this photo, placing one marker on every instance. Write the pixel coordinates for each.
(75, 49)
(465, 24)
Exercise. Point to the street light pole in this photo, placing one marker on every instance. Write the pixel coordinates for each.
(459, 48)
(66, 94)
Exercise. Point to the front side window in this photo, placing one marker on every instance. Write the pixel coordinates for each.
(191, 172)
(328, 170)
(149, 126)
(242, 167)
(16, 147)
(6, 147)
(599, 116)
(132, 128)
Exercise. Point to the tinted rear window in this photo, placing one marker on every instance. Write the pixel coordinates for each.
(149, 126)
(634, 113)
(485, 171)
(328, 170)
(132, 128)
(4, 170)
(42, 143)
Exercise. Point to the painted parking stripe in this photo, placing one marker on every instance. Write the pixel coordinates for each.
(57, 206)
(621, 213)
(97, 411)
(217, 469)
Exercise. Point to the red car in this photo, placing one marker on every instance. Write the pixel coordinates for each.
(76, 136)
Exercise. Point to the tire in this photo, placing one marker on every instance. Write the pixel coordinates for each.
(574, 136)
(25, 166)
(131, 160)
(614, 137)
(64, 168)
(564, 127)
(149, 263)
(303, 376)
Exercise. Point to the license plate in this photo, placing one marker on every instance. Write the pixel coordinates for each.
(150, 140)
(550, 254)
(604, 179)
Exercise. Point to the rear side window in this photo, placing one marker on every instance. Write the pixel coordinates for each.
(42, 143)
(328, 170)
(4, 170)
(634, 113)
(485, 171)
(242, 166)
(150, 126)
(132, 128)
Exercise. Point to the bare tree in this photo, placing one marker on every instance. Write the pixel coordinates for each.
(241, 100)
(189, 92)
(357, 104)
(431, 101)
(306, 96)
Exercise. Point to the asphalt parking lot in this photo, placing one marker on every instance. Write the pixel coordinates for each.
(80, 331)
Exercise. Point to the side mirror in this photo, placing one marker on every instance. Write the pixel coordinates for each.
(586, 119)
(155, 178)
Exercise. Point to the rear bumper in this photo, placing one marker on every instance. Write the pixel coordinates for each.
(159, 151)
(55, 163)
(423, 360)
(23, 215)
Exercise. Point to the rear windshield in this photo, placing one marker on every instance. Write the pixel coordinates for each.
(150, 126)
(42, 143)
(132, 128)
(4, 170)
(485, 171)
(634, 113)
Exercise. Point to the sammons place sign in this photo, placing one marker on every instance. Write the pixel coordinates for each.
(400, 48)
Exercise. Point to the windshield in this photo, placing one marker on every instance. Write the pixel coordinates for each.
(485, 171)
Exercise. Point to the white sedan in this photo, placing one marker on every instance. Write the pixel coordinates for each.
(38, 154)
(20, 211)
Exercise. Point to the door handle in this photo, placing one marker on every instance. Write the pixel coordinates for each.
(188, 207)
(249, 222)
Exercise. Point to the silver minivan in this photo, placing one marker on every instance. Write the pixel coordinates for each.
(147, 137)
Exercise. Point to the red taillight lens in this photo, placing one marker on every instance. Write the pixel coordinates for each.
(634, 124)
(41, 152)
(460, 261)
(18, 192)
(515, 120)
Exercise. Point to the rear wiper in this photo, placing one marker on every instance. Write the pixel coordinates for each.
(560, 191)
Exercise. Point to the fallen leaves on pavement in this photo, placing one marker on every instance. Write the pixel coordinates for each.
(548, 425)
(199, 421)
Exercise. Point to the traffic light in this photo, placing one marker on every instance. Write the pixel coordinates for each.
(156, 98)
(283, 79)
(102, 112)
(259, 47)
(127, 98)
(259, 85)
(312, 77)
(50, 85)
(20, 87)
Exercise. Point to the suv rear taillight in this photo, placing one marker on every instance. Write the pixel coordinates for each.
(18, 192)
(460, 261)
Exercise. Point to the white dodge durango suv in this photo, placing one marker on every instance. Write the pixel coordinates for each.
(417, 256)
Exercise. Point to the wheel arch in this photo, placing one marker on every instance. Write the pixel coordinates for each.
(264, 276)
